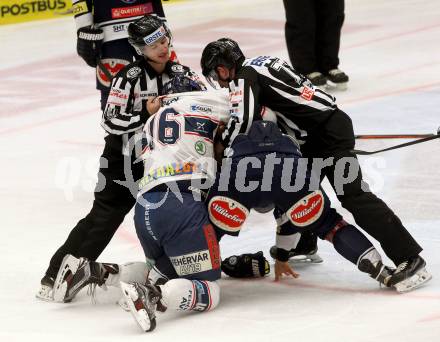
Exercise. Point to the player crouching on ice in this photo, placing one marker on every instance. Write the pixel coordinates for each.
(272, 182)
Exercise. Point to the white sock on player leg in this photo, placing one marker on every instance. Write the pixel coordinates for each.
(129, 272)
(184, 295)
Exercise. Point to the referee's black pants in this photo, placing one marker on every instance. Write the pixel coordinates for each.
(93, 233)
(336, 139)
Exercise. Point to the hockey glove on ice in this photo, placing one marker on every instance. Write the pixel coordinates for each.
(88, 45)
(246, 265)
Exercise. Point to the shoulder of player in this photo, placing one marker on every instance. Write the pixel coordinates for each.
(259, 63)
(131, 71)
(176, 68)
(249, 71)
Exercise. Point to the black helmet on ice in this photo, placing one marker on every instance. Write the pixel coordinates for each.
(223, 51)
(146, 31)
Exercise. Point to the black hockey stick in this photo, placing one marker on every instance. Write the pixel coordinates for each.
(418, 141)
(104, 70)
(393, 136)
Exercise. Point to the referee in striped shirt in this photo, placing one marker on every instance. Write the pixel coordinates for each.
(312, 114)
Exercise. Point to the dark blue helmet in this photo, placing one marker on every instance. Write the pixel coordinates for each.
(181, 84)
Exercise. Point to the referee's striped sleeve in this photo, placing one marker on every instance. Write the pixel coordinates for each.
(243, 99)
(119, 116)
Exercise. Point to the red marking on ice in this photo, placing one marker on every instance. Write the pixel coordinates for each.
(65, 79)
(81, 143)
(376, 292)
(128, 237)
(408, 69)
(391, 36)
(43, 84)
(430, 318)
(191, 40)
(391, 93)
(44, 123)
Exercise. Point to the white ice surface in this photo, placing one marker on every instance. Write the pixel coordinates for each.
(50, 141)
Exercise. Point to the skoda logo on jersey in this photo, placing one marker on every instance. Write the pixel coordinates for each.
(200, 147)
(200, 108)
(155, 36)
(129, 1)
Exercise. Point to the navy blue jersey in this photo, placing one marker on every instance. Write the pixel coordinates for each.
(175, 233)
(113, 16)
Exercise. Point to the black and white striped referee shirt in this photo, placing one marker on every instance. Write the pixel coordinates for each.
(126, 108)
(271, 82)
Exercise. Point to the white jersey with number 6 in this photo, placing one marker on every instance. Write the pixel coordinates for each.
(180, 138)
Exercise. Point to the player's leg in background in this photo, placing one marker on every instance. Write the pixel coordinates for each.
(301, 38)
(300, 34)
(329, 20)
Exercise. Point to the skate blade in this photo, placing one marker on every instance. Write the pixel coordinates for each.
(414, 282)
(140, 316)
(123, 304)
(336, 86)
(69, 264)
(309, 258)
(45, 293)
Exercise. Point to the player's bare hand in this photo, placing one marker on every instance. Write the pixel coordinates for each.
(153, 104)
(283, 268)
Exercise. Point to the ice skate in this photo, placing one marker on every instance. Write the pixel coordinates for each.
(377, 271)
(75, 274)
(410, 275)
(300, 256)
(317, 79)
(142, 301)
(337, 79)
(311, 257)
(46, 289)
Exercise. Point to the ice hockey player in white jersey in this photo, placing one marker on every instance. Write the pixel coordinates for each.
(171, 218)
(180, 138)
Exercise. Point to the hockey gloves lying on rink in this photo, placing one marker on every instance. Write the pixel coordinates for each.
(88, 45)
(246, 265)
